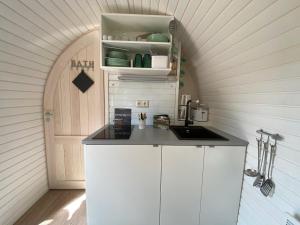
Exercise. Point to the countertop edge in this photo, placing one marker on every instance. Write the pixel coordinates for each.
(154, 136)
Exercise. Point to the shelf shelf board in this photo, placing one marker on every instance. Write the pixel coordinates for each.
(137, 71)
(137, 45)
(135, 22)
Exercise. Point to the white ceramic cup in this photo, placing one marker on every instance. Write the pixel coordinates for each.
(142, 124)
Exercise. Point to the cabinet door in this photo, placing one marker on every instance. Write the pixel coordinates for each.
(181, 185)
(222, 182)
(123, 184)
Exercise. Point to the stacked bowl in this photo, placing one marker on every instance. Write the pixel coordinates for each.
(117, 58)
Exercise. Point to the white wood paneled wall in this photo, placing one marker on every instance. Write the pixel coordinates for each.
(248, 68)
(246, 58)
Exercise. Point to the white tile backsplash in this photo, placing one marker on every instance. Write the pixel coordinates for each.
(123, 94)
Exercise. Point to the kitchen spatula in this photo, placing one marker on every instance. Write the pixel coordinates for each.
(268, 186)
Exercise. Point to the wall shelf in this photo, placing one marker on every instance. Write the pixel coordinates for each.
(137, 71)
(132, 26)
(137, 45)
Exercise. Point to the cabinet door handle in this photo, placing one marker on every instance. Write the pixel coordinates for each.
(155, 146)
(211, 146)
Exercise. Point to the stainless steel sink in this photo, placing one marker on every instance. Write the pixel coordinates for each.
(196, 133)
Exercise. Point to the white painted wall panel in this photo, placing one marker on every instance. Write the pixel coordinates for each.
(249, 76)
(26, 54)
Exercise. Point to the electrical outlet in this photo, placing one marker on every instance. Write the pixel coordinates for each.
(142, 103)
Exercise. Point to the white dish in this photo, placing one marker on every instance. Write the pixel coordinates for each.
(159, 62)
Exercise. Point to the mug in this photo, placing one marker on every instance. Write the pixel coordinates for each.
(138, 61)
(147, 61)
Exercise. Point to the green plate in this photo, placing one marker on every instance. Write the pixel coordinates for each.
(117, 54)
(117, 62)
(157, 38)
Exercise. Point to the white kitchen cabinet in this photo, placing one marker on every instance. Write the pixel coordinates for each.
(163, 185)
(222, 182)
(182, 168)
(123, 184)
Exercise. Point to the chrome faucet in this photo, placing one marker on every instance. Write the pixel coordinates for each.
(187, 121)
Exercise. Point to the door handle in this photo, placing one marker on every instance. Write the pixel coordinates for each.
(48, 115)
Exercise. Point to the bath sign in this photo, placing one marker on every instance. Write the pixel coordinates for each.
(82, 64)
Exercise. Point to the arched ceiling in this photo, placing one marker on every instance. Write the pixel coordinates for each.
(38, 30)
(43, 28)
(34, 33)
(213, 32)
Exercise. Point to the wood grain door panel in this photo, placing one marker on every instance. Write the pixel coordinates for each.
(75, 114)
(70, 161)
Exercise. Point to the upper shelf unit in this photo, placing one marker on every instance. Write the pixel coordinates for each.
(128, 33)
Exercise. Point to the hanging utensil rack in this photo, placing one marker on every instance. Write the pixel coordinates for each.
(264, 180)
(275, 137)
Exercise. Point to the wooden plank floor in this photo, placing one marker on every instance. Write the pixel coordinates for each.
(57, 207)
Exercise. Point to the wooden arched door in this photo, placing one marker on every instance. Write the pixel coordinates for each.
(71, 115)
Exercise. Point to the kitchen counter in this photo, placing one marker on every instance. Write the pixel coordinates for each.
(156, 136)
(154, 161)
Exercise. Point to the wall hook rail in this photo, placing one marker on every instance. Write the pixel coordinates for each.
(276, 137)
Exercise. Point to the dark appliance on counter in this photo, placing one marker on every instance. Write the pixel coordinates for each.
(122, 126)
(122, 117)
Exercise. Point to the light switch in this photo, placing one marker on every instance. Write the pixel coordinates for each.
(142, 103)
